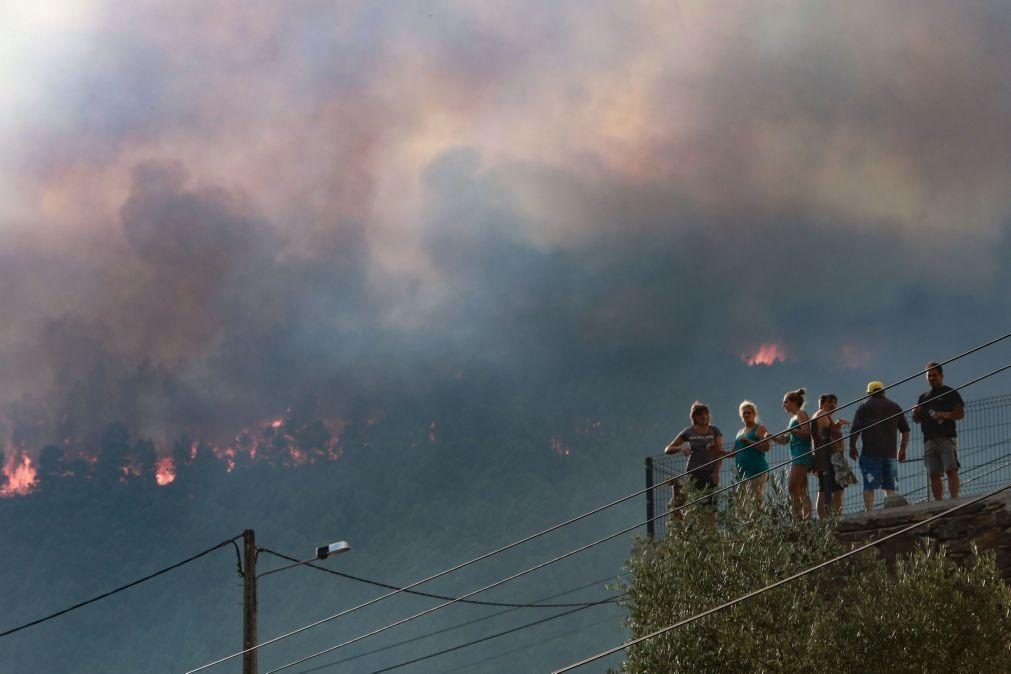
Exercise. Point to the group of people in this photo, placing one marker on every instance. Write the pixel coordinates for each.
(816, 444)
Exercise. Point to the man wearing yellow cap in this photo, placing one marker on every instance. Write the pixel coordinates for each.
(876, 423)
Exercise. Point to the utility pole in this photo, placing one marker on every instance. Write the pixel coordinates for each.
(249, 665)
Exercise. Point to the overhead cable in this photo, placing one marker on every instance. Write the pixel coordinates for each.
(532, 645)
(503, 633)
(121, 588)
(416, 592)
(448, 629)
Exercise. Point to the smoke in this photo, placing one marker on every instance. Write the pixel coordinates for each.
(217, 215)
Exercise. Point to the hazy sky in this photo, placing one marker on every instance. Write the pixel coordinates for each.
(267, 200)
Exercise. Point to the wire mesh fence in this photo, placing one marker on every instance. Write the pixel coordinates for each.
(984, 453)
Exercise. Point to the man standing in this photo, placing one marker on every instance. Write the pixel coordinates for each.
(937, 410)
(877, 422)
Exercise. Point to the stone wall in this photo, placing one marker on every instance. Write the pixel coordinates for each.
(987, 524)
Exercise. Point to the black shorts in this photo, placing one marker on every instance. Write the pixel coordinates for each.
(826, 480)
(703, 481)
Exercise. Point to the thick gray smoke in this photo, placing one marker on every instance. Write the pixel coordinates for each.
(215, 216)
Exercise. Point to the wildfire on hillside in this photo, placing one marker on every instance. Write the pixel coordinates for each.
(165, 471)
(278, 441)
(767, 354)
(20, 473)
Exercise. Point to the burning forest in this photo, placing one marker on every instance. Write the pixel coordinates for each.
(116, 456)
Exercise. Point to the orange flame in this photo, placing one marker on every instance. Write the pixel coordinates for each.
(165, 471)
(21, 475)
(767, 354)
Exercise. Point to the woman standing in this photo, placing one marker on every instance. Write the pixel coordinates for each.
(752, 446)
(798, 436)
(703, 443)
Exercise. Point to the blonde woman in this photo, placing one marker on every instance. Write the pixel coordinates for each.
(752, 447)
(798, 436)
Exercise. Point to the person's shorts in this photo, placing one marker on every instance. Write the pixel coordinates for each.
(879, 472)
(806, 460)
(940, 455)
(826, 480)
(703, 481)
(751, 466)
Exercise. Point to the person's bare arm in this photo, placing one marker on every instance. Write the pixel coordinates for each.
(677, 444)
(763, 435)
(802, 429)
(903, 443)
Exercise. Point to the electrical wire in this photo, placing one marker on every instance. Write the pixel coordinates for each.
(120, 588)
(540, 533)
(448, 629)
(609, 600)
(590, 545)
(531, 645)
(780, 582)
(415, 592)
(287, 566)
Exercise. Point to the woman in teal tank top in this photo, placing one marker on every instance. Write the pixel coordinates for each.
(798, 436)
(752, 446)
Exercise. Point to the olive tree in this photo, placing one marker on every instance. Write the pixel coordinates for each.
(926, 614)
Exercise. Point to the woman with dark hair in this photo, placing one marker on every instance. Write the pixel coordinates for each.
(702, 443)
(798, 436)
(827, 439)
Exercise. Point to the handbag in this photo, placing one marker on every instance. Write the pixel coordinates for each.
(844, 475)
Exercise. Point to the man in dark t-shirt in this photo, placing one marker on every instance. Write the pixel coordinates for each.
(937, 410)
(877, 422)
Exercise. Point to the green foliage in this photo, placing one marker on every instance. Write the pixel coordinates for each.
(930, 614)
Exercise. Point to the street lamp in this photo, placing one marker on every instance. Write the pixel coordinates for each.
(333, 549)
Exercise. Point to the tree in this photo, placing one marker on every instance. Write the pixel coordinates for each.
(930, 614)
(51, 466)
(113, 453)
(144, 459)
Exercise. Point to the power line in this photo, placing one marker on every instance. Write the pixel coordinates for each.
(538, 534)
(415, 592)
(287, 566)
(121, 588)
(609, 600)
(450, 628)
(783, 581)
(531, 645)
(585, 547)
